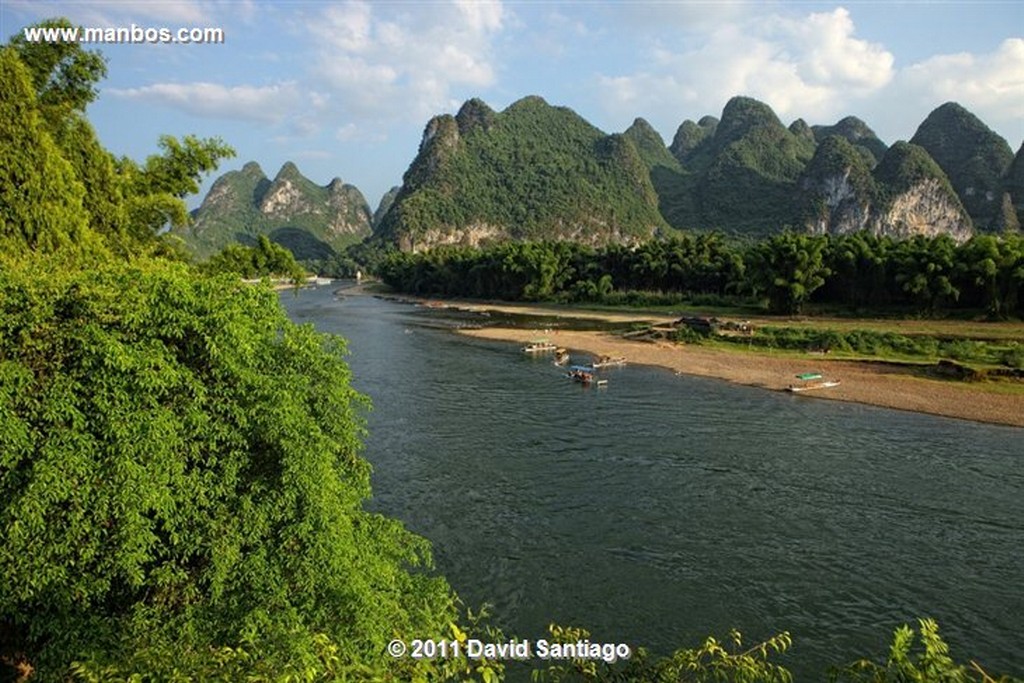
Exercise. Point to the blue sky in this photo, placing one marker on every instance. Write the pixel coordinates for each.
(345, 88)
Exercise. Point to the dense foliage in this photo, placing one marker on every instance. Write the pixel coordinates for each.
(61, 189)
(181, 488)
(180, 469)
(529, 171)
(264, 259)
(858, 272)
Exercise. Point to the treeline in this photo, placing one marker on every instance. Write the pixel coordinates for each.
(263, 260)
(857, 271)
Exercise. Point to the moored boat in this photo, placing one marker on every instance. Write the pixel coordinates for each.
(608, 361)
(811, 381)
(539, 346)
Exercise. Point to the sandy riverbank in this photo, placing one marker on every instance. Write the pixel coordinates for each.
(880, 384)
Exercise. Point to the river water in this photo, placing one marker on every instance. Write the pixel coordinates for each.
(662, 508)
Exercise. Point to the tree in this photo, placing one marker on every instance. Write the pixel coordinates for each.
(127, 203)
(265, 259)
(180, 472)
(41, 200)
(63, 75)
(925, 270)
(787, 268)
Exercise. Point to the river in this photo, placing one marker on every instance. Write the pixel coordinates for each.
(661, 508)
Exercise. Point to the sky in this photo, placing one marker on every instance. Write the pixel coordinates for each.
(345, 89)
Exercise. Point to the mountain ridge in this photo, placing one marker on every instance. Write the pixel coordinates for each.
(539, 171)
(311, 220)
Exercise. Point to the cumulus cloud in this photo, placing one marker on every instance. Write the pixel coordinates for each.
(404, 64)
(807, 66)
(991, 85)
(262, 104)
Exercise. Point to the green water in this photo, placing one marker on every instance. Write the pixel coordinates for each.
(663, 508)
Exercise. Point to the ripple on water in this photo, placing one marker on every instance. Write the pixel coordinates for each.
(665, 508)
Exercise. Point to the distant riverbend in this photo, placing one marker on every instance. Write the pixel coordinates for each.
(664, 508)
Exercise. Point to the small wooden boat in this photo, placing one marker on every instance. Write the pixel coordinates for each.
(561, 356)
(812, 380)
(585, 375)
(539, 346)
(608, 361)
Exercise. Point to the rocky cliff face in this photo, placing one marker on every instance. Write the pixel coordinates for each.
(973, 156)
(906, 195)
(312, 221)
(923, 209)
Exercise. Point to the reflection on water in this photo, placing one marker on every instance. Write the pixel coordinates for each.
(664, 508)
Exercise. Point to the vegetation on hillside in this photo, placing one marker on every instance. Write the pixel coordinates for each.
(529, 171)
(312, 222)
(266, 259)
(973, 156)
(181, 486)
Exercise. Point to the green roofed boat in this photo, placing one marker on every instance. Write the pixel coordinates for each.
(812, 380)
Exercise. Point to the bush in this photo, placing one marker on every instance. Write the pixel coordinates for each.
(180, 473)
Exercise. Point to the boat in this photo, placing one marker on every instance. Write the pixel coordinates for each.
(608, 361)
(812, 380)
(561, 356)
(584, 374)
(539, 346)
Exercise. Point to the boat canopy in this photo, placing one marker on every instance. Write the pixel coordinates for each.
(809, 375)
(581, 368)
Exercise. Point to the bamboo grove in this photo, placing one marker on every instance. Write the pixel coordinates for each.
(859, 272)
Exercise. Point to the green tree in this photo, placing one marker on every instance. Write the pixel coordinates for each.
(180, 472)
(154, 190)
(265, 259)
(41, 200)
(63, 75)
(787, 268)
(925, 270)
(47, 87)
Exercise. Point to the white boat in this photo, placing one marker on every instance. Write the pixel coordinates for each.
(608, 361)
(812, 381)
(539, 346)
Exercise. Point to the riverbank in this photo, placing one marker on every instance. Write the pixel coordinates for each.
(889, 385)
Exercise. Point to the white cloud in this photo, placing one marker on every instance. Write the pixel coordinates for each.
(827, 54)
(403, 62)
(266, 104)
(812, 66)
(991, 85)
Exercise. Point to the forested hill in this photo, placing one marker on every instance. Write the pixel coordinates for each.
(530, 171)
(314, 222)
(536, 171)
